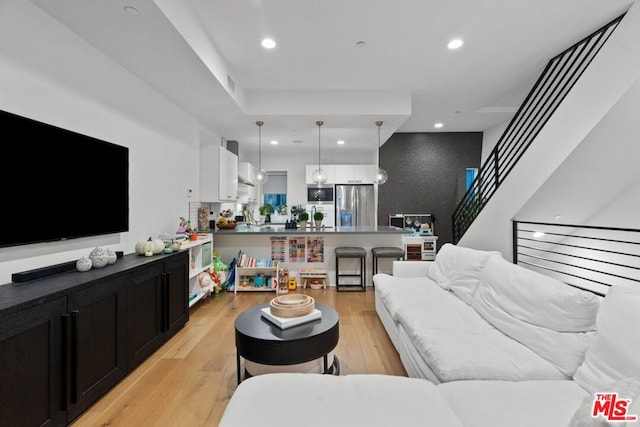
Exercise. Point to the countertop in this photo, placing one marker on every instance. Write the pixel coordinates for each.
(279, 229)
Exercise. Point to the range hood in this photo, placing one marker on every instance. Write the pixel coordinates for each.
(245, 173)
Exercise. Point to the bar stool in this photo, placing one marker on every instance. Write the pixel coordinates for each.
(385, 252)
(351, 252)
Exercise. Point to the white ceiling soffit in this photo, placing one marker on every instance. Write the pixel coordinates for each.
(205, 55)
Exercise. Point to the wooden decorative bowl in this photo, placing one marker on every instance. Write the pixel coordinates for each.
(227, 226)
(292, 305)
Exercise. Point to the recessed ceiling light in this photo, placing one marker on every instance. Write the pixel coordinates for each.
(455, 44)
(268, 43)
(131, 10)
(361, 43)
(438, 125)
(274, 142)
(340, 142)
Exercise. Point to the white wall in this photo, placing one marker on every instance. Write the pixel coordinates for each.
(490, 138)
(621, 211)
(49, 74)
(591, 185)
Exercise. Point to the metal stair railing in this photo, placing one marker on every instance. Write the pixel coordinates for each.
(551, 88)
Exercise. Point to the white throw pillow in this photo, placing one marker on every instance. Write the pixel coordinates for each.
(628, 388)
(458, 269)
(540, 300)
(614, 352)
(550, 317)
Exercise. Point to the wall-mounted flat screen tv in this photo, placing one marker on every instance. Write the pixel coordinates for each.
(58, 184)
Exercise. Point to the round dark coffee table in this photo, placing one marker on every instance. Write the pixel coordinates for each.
(260, 341)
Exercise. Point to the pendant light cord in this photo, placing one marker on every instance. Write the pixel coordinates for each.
(379, 123)
(319, 123)
(260, 144)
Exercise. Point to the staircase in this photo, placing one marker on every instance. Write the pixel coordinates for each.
(552, 87)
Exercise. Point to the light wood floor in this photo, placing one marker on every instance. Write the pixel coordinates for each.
(189, 381)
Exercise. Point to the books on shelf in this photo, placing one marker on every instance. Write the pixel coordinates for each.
(245, 260)
(288, 322)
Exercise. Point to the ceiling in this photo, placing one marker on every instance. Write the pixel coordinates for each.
(205, 55)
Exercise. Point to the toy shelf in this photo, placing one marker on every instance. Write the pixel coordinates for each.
(245, 279)
(200, 260)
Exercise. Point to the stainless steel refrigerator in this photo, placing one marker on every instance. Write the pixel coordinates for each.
(355, 205)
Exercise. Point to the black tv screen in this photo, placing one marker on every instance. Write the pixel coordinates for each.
(58, 184)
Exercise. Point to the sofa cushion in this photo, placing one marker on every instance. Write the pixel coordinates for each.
(613, 353)
(553, 319)
(513, 403)
(458, 269)
(457, 343)
(292, 400)
(396, 292)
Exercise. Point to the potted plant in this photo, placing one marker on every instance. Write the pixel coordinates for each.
(317, 218)
(266, 211)
(282, 209)
(303, 217)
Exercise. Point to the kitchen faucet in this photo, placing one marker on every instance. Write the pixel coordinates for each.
(313, 211)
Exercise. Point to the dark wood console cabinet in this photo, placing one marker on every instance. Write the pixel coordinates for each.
(67, 339)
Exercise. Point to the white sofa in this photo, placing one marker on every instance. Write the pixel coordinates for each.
(471, 315)
(311, 400)
(572, 348)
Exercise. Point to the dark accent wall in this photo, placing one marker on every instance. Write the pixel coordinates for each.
(427, 175)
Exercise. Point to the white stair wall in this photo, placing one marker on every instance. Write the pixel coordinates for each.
(611, 74)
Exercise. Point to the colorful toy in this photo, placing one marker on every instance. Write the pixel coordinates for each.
(283, 280)
(221, 269)
(217, 287)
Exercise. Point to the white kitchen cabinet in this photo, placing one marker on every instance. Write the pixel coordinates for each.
(329, 169)
(354, 174)
(247, 193)
(252, 193)
(218, 174)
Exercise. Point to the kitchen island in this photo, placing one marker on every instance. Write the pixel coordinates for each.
(307, 249)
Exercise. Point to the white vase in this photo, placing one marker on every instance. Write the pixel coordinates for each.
(318, 223)
(303, 225)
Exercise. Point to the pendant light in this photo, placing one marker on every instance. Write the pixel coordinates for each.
(319, 176)
(380, 175)
(260, 175)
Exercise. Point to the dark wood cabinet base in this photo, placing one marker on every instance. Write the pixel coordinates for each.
(66, 340)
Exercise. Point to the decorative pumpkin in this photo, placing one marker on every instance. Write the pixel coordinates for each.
(145, 246)
(112, 257)
(84, 264)
(99, 257)
(158, 246)
(175, 246)
(167, 250)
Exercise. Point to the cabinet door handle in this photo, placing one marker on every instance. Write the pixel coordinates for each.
(66, 325)
(74, 355)
(166, 280)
